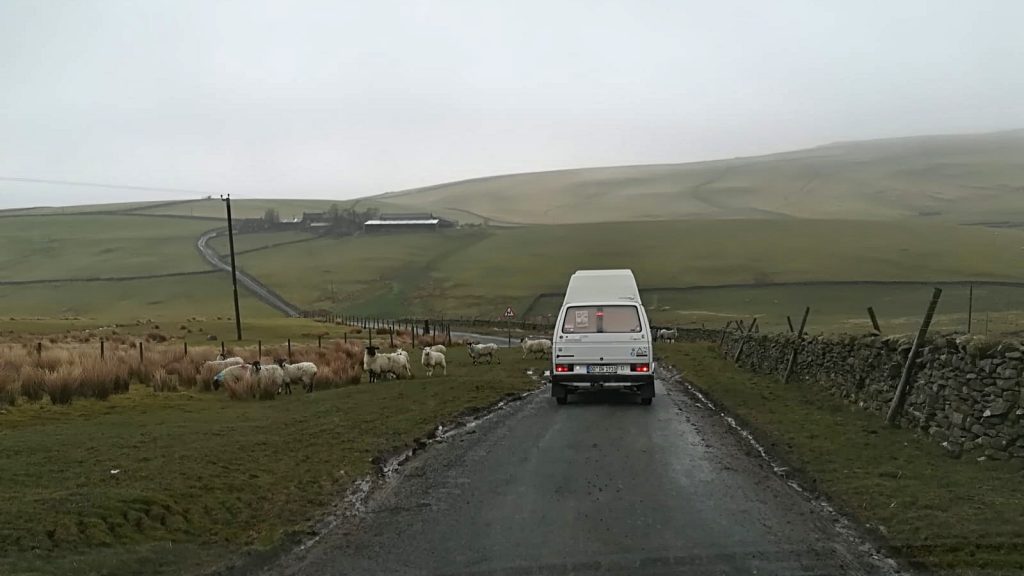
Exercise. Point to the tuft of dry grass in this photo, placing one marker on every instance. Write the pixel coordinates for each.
(33, 382)
(10, 387)
(240, 388)
(62, 383)
(164, 382)
(264, 388)
(69, 369)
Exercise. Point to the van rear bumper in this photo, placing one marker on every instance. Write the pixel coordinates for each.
(606, 380)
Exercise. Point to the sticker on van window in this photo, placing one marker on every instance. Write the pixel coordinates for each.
(583, 318)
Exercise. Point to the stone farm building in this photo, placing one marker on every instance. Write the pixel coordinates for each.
(411, 221)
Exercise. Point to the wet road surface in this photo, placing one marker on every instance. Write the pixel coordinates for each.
(600, 486)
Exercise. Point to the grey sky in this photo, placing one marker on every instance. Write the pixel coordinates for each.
(340, 99)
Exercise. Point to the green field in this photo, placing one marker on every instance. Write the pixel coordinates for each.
(202, 479)
(946, 516)
(256, 240)
(482, 271)
(77, 209)
(839, 308)
(180, 297)
(378, 274)
(964, 178)
(45, 247)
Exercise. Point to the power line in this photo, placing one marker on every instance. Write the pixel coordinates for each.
(109, 186)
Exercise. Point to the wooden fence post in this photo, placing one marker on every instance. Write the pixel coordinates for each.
(790, 322)
(289, 350)
(142, 355)
(725, 331)
(259, 350)
(449, 334)
(743, 340)
(874, 320)
(102, 351)
(346, 337)
(185, 346)
(39, 349)
(903, 389)
(796, 347)
(319, 341)
(391, 335)
(222, 349)
(970, 308)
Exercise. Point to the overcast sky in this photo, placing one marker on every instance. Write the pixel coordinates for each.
(342, 99)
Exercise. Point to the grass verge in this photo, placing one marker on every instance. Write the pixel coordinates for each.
(947, 516)
(199, 479)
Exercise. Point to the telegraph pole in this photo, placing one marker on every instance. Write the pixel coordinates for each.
(234, 273)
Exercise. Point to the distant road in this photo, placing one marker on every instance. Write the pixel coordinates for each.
(600, 486)
(258, 289)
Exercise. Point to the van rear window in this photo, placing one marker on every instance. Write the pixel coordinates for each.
(601, 319)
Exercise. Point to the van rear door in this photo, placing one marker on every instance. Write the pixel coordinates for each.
(610, 333)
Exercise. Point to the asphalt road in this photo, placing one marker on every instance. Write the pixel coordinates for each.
(601, 486)
(255, 286)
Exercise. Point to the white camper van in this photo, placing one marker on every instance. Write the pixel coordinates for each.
(602, 338)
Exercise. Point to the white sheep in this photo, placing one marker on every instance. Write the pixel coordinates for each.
(231, 375)
(478, 351)
(398, 364)
(266, 380)
(221, 362)
(669, 335)
(216, 367)
(432, 359)
(376, 364)
(302, 372)
(540, 346)
(438, 348)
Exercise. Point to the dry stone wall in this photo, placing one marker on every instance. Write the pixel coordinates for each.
(966, 392)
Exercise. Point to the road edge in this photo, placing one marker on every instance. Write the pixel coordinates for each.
(357, 500)
(862, 537)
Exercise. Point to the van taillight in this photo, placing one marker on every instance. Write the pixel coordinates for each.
(640, 367)
(563, 367)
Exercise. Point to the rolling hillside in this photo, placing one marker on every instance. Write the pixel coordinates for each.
(962, 179)
(482, 271)
(756, 225)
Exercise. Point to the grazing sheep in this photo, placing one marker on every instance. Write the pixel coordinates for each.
(478, 351)
(231, 375)
(303, 373)
(540, 346)
(398, 364)
(668, 335)
(211, 369)
(221, 363)
(377, 365)
(268, 379)
(438, 348)
(431, 359)
(371, 363)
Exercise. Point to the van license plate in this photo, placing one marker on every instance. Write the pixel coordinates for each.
(603, 369)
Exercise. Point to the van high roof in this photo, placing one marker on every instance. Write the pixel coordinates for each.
(602, 286)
